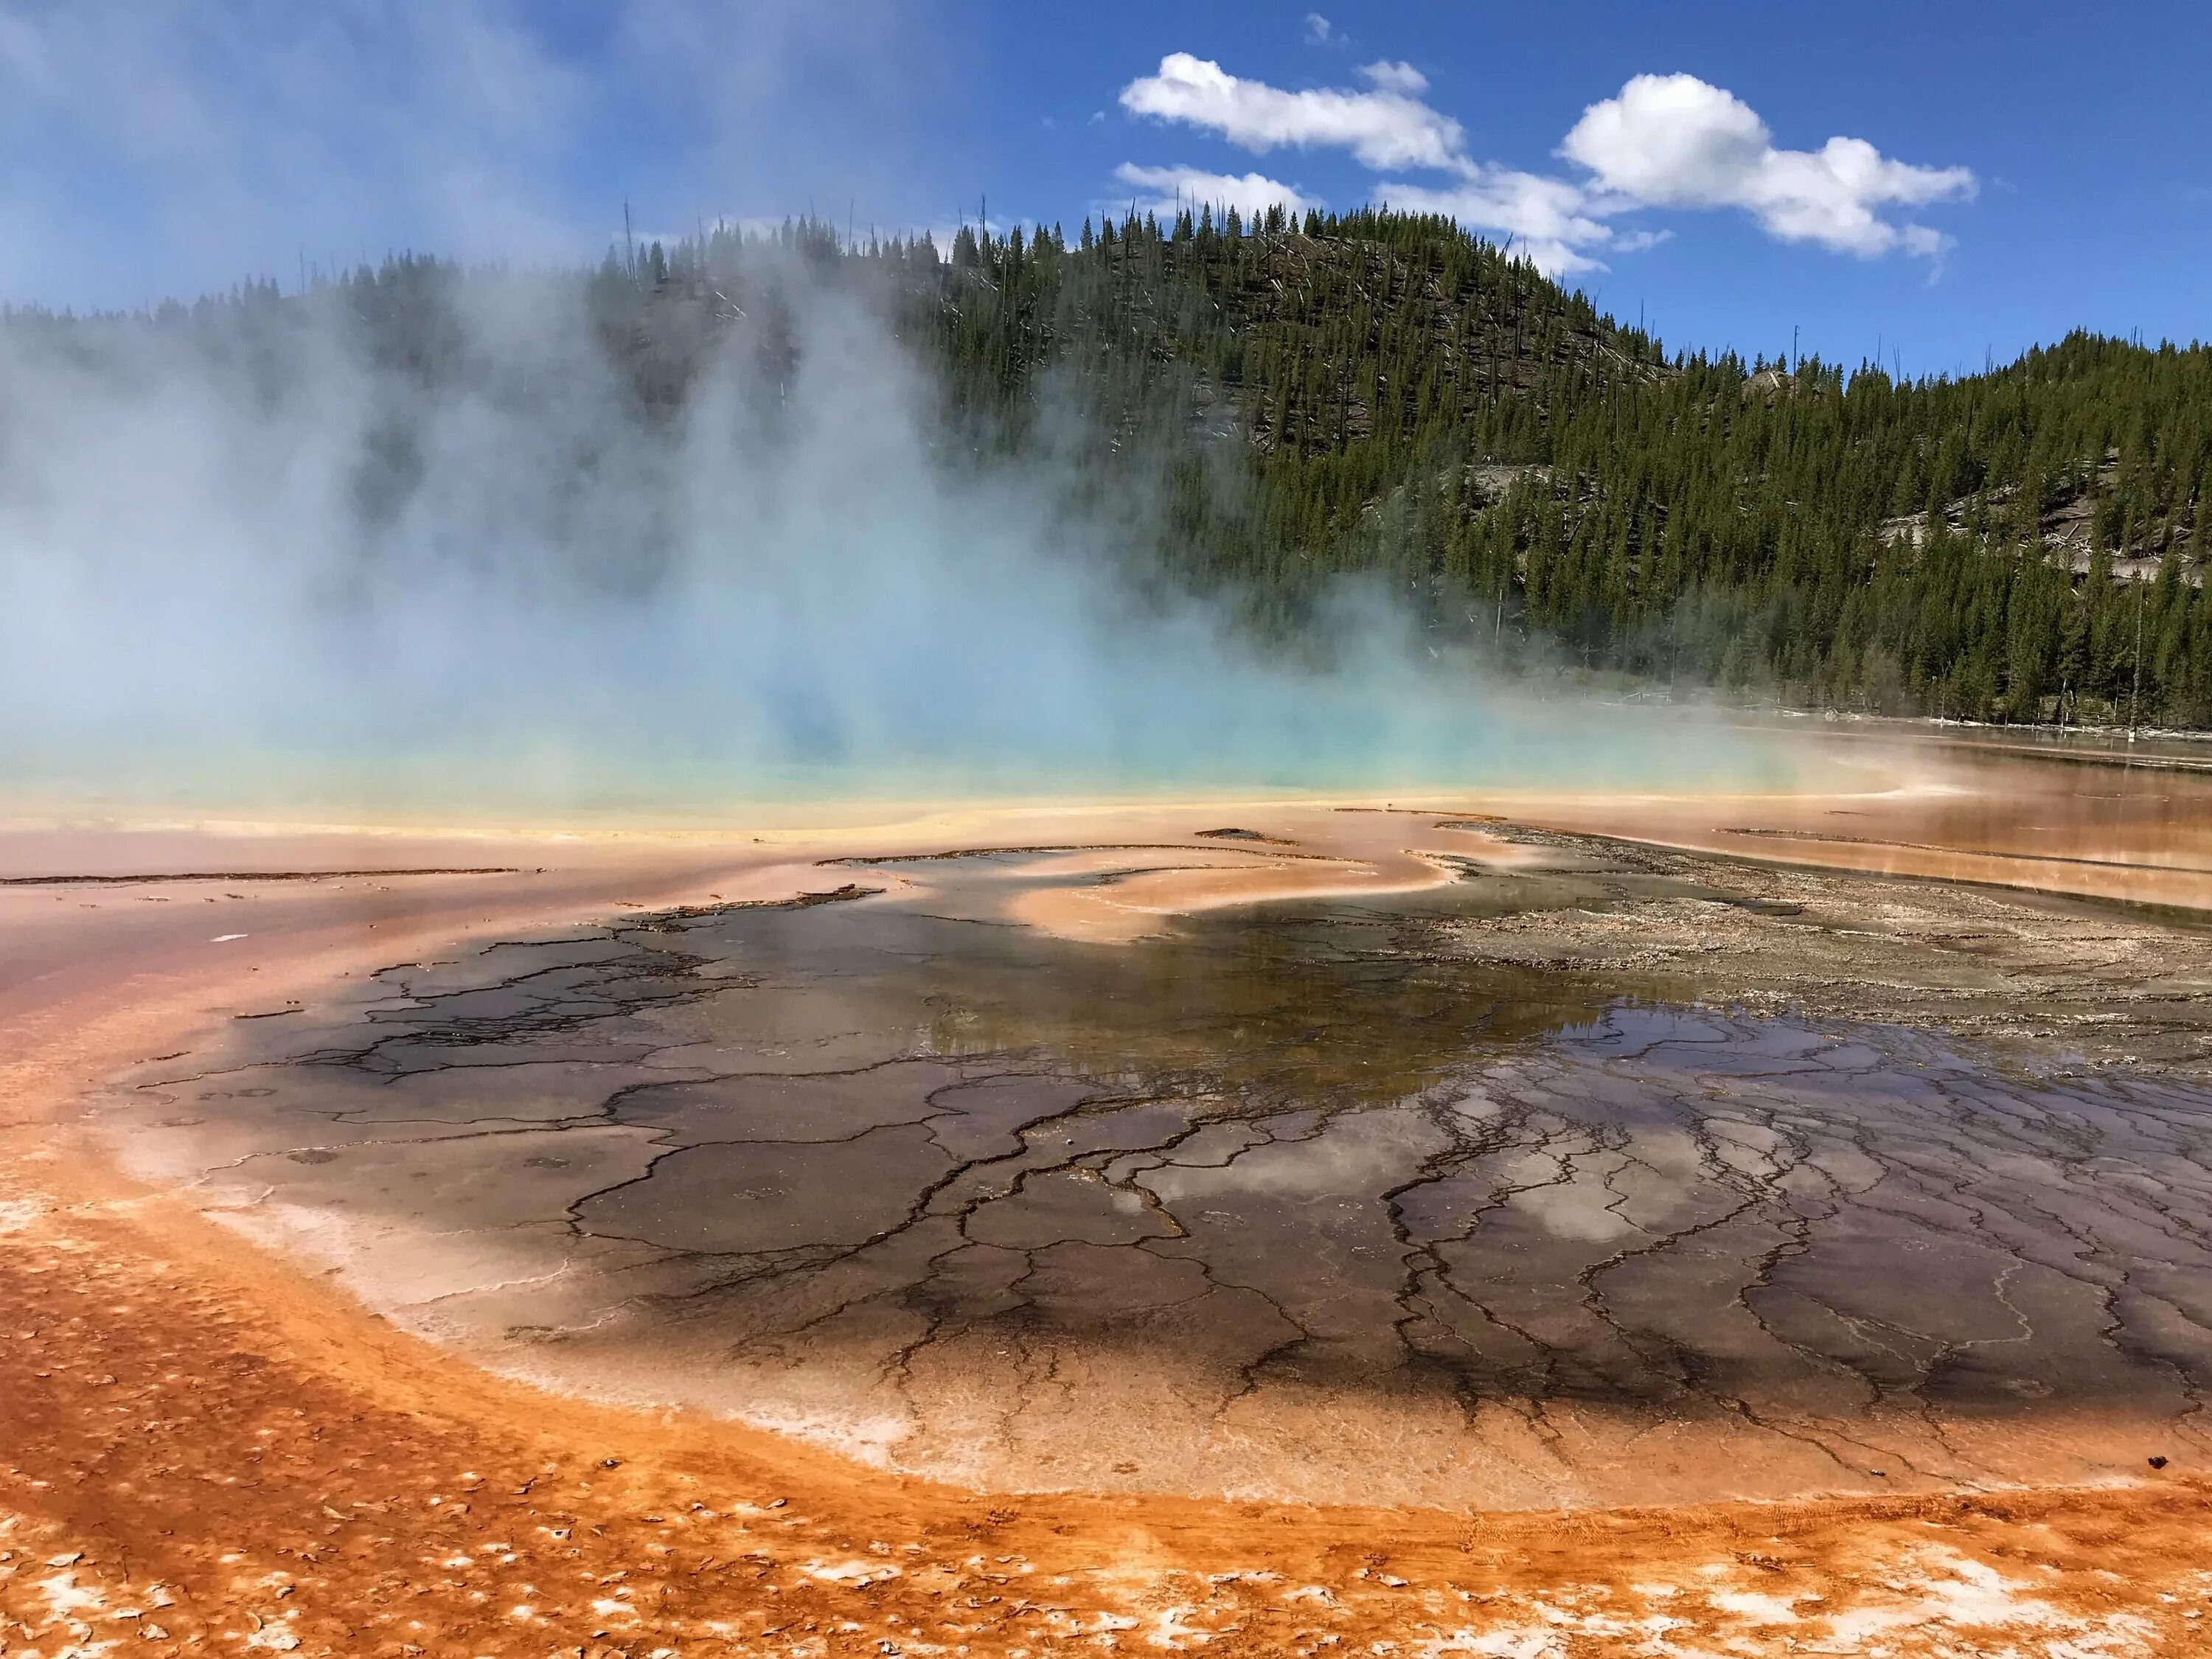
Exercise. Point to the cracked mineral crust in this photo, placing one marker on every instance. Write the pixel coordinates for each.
(1595, 1174)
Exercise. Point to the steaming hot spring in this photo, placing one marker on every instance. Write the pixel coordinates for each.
(643, 1018)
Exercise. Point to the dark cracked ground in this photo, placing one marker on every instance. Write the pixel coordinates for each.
(1324, 1201)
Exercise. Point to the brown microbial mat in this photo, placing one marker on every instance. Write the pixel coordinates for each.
(1588, 1176)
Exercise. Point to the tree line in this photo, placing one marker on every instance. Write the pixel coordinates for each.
(1269, 405)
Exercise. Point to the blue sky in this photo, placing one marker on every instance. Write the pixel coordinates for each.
(2014, 171)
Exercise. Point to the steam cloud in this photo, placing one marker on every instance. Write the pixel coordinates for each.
(296, 576)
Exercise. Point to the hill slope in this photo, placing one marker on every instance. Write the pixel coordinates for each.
(1400, 398)
(1261, 407)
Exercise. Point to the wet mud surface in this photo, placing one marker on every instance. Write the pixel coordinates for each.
(1632, 1177)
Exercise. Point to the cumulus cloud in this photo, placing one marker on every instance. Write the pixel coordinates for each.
(1320, 31)
(1548, 220)
(1389, 77)
(1385, 126)
(1675, 141)
(1167, 188)
(1670, 140)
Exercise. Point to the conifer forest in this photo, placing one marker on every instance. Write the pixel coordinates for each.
(1263, 408)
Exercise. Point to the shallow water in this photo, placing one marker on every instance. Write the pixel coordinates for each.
(1290, 1202)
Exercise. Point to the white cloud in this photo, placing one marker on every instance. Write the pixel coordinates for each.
(1386, 126)
(1666, 141)
(1547, 219)
(1401, 78)
(1319, 31)
(1170, 187)
(1927, 244)
(1675, 141)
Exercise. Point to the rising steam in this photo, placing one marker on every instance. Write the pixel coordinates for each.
(261, 562)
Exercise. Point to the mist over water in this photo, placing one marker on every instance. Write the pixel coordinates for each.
(257, 566)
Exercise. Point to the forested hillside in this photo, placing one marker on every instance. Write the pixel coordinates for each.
(1271, 403)
(1384, 393)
